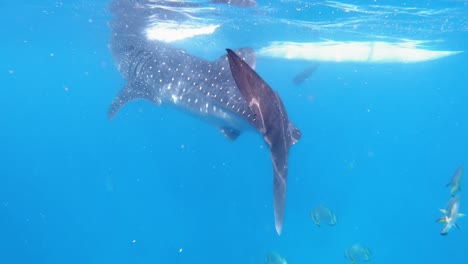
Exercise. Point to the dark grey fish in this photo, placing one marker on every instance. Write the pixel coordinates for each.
(304, 75)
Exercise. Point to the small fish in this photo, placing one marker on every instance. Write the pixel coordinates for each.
(451, 214)
(455, 182)
(304, 75)
(274, 258)
(358, 253)
(322, 214)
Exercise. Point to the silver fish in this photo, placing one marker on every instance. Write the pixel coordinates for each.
(451, 214)
(454, 183)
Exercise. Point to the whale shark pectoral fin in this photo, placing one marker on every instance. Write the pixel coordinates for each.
(252, 89)
(125, 95)
(230, 133)
(272, 122)
(131, 91)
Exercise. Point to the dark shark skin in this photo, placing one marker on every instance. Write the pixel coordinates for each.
(166, 75)
(271, 120)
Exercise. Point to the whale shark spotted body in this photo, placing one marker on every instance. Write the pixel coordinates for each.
(226, 92)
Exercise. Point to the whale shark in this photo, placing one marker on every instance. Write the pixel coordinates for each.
(226, 92)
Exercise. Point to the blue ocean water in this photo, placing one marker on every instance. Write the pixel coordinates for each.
(379, 142)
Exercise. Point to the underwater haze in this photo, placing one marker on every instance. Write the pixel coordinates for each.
(377, 88)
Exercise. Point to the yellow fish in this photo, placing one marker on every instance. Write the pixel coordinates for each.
(358, 253)
(322, 214)
(451, 214)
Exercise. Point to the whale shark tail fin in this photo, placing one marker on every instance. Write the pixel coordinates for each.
(272, 122)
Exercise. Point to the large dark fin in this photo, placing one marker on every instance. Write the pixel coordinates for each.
(272, 122)
(131, 91)
(246, 54)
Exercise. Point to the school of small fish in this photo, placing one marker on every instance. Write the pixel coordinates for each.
(357, 253)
